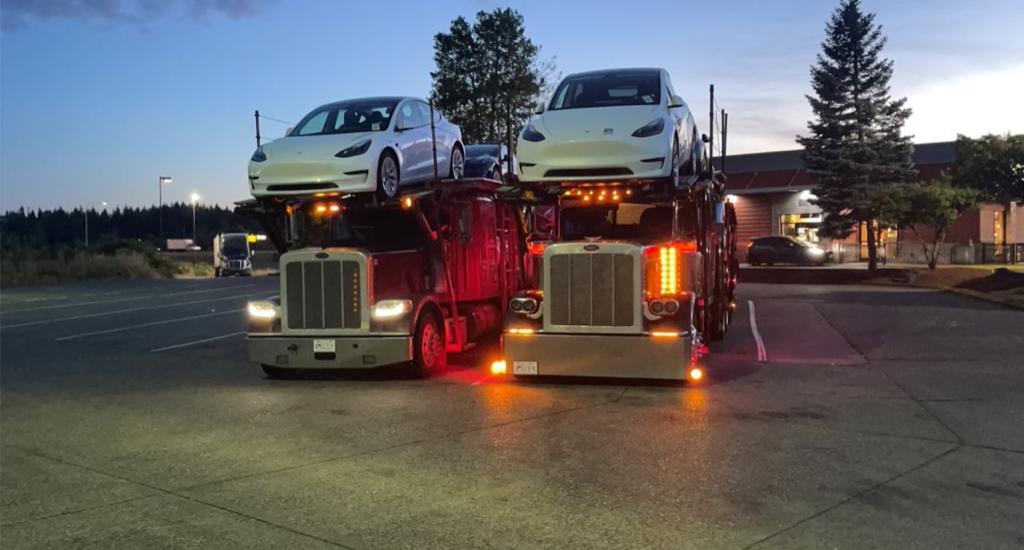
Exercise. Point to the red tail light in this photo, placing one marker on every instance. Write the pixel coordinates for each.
(665, 269)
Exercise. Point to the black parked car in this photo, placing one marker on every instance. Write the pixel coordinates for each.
(785, 250)
(487, 161)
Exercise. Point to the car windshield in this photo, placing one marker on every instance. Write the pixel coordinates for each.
(375, 229)
(644, 223)
(347, 117)
(481, 151)
(608, 90)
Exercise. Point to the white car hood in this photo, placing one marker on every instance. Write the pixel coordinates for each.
(313, 147)
(571, 124)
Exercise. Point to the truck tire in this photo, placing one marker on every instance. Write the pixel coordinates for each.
(279, 373)
(429, 355)
(389, 176)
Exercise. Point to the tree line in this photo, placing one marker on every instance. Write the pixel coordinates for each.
(47, 229)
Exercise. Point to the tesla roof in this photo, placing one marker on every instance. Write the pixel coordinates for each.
(785, 171)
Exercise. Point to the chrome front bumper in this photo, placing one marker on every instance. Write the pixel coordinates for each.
(351, 352)
(600, 355)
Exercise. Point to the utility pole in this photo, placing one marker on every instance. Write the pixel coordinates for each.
(160, 206)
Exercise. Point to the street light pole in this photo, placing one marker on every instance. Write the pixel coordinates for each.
(85, 211)
(195, 201)
(160, 207)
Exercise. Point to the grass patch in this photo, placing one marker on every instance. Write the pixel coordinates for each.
(24, 266)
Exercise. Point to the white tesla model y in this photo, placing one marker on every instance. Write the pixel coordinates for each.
(612, 125)
(371, 144)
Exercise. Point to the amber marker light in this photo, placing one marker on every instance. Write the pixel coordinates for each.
(499, 367)
(696, 374)
(521, 331)
(664, 334)
(407, 203)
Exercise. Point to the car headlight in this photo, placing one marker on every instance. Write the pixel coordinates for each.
(354, 150)
(531, 134)
(391, 309)
(652, 128)
(258, 155)
(263, 310)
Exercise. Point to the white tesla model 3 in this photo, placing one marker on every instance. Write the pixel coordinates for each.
(612, 125)
(371, 144)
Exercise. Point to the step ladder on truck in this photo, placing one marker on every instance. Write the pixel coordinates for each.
(634, 278)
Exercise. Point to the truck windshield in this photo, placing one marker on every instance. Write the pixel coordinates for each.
(644, 223)
(375, 229)
(235, 247)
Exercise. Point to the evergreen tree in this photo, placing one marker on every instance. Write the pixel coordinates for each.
(855, 146)
(488, 77)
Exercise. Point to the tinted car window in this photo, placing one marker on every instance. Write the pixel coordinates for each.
(376, 229)
(347, 117)
(608, 90)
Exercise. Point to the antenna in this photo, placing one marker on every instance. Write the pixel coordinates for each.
(711, 130)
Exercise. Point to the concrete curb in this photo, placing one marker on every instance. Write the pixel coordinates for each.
(979, 296)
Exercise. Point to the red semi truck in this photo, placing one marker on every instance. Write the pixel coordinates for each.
(366, 284)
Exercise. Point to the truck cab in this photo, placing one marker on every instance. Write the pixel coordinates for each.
(232, 255)
(630, 285)
(367, 284)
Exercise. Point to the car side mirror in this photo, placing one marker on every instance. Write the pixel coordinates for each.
(540, 108)
(288, 132)
(675, 101)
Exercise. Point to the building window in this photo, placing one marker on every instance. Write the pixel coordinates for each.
(801, 226)
(997, 227)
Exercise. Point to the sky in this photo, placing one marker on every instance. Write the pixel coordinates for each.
(98, 98)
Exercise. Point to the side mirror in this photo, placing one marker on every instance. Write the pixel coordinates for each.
(288, 132)
(705, 138)
(675, 101)
(540, 108)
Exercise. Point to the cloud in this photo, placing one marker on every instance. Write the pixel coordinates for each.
(19, 13)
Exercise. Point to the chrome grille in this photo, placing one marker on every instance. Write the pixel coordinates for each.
(323, 294)
(591, 289)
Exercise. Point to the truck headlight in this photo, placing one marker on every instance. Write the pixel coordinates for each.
(263, 310)
(391, 309)
(527, 306)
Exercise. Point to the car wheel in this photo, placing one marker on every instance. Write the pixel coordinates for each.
(388, 176)
(429, 353)
(458, 164)
(279, 373)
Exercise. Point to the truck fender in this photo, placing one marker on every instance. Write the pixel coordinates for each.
(426, 305)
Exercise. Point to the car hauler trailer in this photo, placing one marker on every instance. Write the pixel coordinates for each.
(366, 283)
(635, 278)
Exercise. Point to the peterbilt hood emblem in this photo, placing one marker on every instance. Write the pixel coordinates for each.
(591, 247)
(322, 255)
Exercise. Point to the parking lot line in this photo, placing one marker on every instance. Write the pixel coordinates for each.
(130, 310)
(143, 325)
(762, 354)
(129, 299)
(195, 342)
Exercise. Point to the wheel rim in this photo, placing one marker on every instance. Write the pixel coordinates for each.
(430, 345)
(389, 176)
(457, 163)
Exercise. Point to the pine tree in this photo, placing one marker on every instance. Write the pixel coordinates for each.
(855, 147)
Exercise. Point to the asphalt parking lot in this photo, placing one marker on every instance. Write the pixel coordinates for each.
(866, 418)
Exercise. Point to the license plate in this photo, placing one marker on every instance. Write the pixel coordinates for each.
(323, 346)
(524, 367)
